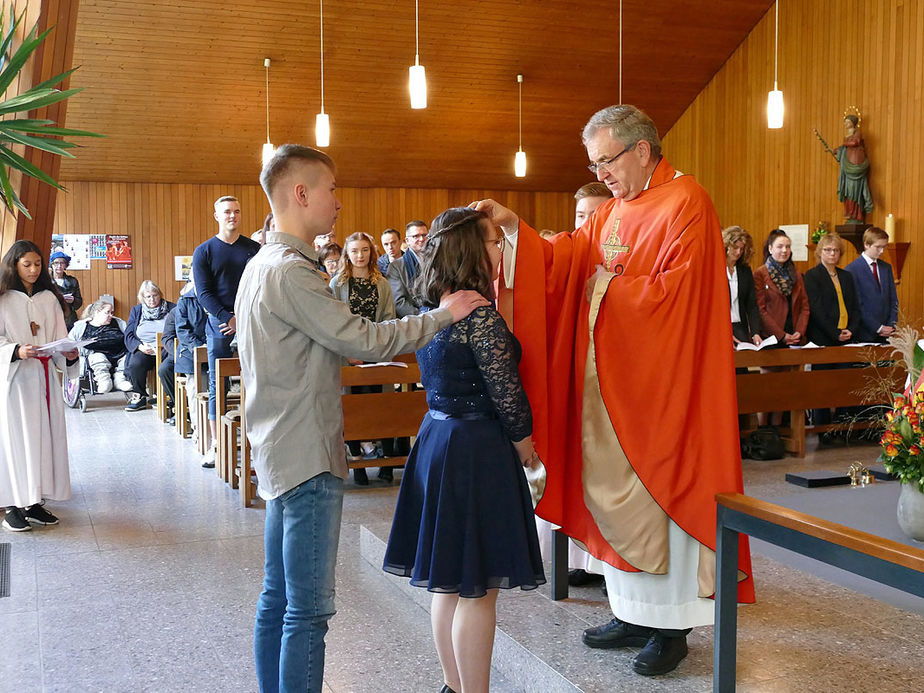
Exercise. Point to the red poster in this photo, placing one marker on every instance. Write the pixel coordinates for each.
(118, 251)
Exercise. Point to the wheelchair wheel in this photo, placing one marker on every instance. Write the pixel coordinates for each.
(83, 404)
(70, 389)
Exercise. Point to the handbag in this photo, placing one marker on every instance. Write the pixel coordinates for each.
(763, 444)
(535, 477)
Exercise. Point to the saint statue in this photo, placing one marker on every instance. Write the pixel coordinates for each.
(852, 183)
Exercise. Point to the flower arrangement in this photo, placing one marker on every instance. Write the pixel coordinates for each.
(901, 443)
(820, 230)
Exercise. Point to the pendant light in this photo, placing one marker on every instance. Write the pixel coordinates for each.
(268, 148)
(519, 161)
(775, 97)
(417, 78)
(322, 121)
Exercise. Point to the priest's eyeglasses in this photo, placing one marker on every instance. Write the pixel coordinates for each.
(608, 162)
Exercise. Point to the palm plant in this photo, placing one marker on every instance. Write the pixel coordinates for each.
(31, 132)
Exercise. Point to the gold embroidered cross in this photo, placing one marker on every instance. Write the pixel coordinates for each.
(613, 246)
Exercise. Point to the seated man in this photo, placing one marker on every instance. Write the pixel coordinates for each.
(106, 357)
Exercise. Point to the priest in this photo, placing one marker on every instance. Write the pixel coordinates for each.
(627, 363)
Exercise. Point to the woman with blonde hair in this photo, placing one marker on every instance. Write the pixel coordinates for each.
(360, 284)
(745, 315)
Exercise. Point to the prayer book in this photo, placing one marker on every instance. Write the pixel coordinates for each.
(748, 346)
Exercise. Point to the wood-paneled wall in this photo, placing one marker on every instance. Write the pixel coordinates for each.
(165, 220)
(52, 58)
(833, 54)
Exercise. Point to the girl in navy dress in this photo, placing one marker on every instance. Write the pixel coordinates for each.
(464, 524)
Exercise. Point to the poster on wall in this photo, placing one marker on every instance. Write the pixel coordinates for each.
(77, 245)
(118, 251)
(181, 266)
(799, 236)
(97, 246)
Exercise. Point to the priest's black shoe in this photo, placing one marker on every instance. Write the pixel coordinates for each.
(580, 577)
(660, 655)
(615, 634)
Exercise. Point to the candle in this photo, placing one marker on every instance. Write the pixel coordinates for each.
(890, 227)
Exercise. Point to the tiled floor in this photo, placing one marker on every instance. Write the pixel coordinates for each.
(149, 584)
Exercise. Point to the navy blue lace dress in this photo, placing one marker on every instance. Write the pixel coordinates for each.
(464, 519)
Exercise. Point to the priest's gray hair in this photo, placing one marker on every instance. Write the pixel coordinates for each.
(626, 124)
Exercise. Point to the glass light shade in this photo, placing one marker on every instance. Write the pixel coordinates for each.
(322, 130)
(417, 84)
(519, 164)
(775, 109)
(268, 151)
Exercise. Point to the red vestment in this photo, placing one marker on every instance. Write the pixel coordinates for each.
(662, 345)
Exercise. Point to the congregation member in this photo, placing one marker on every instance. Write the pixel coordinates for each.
(329, 258)
(260, 234)
(391, 245)
(592, 376)
(360, 284)
(217, 267)
(745, 315)
(583, 569)
(167, 364)
(781, 299)
(33, 447)
(587, 198)
(145, 320)
(875, 285)
(834, 311)
(67, 285)
(292, 334)
(464, 525)
(191, 325)
(403, 272)
(107, 356)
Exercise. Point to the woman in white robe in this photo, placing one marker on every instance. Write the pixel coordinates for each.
(33, 453)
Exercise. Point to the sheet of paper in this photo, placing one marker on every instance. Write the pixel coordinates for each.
(748, 346)
(399, 364)
(799, 235)
(62, 345)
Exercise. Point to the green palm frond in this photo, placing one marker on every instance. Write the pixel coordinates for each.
(38, 134)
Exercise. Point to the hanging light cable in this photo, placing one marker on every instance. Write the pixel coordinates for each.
(519, 161)
(322, 121)
(417, 78)
(775, 97)
(268, 148)
(620, 52)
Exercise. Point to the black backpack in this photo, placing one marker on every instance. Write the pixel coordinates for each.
(763, 444)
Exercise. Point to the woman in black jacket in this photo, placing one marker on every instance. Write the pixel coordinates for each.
(834, 309)
(745, 315)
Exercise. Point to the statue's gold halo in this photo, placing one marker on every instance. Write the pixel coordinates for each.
(853, 110)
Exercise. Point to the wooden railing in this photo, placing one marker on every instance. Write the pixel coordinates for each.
(889, 562)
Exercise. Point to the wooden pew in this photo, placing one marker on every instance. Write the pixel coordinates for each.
(180, 406)
(228, 419)
(889, 562)
(200, 364)
(385, 414)
(158, 385)
(796, 389)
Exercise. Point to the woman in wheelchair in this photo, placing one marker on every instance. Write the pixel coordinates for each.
(105, 358)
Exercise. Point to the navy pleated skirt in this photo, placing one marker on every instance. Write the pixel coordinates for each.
(464, 520)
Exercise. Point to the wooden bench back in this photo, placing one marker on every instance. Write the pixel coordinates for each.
(224, 368)
(385, 414)
(200, 367)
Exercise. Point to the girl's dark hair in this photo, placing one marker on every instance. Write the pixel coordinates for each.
(9, 274)
(776, 233)
(455, 257)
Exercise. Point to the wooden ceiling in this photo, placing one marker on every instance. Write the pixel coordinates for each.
(179, 85)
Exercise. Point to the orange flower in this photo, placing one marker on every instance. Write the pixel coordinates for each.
(914, 450)
(891, 450)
